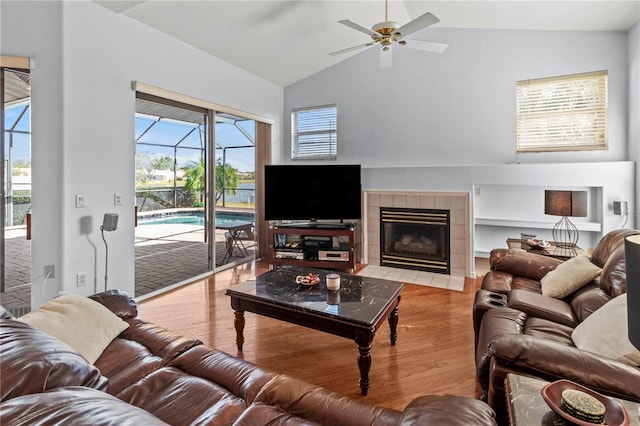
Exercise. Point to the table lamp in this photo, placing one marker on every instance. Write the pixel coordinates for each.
(632, 260)
(566, 204)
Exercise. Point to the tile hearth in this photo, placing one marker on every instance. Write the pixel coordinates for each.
(410, 276)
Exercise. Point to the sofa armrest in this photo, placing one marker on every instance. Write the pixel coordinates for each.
(495, 323)
(119, 302)
(521, 263)
(447, 410)
(540, 306)
(552, 361)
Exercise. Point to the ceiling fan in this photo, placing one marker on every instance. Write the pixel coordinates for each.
(387, 33)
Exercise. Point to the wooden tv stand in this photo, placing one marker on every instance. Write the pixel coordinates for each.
(315, 246)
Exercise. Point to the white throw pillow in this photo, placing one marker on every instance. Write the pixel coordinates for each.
(82, 323)
(606, 332)
(569, 276)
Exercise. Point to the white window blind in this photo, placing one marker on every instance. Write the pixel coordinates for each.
(314, 133)
(565, 113)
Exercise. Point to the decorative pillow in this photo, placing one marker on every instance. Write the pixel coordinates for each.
(82, 323)
(606, 332)
(569, 276)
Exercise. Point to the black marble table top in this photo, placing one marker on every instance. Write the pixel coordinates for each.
(361, 300)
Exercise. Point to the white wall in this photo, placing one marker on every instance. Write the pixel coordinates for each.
(83, 125)
(458, 107)
(634, 109)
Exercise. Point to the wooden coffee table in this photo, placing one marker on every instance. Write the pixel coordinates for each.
(356, 312)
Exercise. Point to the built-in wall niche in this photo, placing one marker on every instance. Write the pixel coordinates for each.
(507, 211)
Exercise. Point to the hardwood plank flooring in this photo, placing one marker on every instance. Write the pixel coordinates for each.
(434, 353)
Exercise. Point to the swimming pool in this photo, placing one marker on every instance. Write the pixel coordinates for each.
(192, 218)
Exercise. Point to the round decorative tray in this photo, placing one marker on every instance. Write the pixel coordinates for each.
(615, 414)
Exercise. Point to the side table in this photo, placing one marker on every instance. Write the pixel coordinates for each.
(527, 407)
(552, 251)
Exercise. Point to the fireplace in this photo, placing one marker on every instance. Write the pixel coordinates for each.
(415, 239)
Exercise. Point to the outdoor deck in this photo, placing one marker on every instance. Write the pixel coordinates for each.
(165, 255)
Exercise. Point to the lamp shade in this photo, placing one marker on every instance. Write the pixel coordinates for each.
(632, 260)
(565, 203)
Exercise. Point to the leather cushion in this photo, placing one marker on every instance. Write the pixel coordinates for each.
(549, 330)
(613, 279)
(437, 410)
(240, 377)
(321, 406)
(33, 361)
(118, 302)
(73, 406)
(521, 263)
(542, 306)
(139, 350)
(608, 244)
(179, 398)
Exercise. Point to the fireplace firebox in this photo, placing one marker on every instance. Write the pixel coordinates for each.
(415, 239)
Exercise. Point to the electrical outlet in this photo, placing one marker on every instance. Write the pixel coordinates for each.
(117, 199)
(49, 271)
(81, 279)
(79, 201)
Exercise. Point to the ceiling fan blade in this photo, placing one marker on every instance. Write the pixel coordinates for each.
(360, 28)
(349, 49)
(427, 46)
(417, 24)
(386, 58)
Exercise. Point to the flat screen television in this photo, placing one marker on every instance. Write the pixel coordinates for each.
(312, 192)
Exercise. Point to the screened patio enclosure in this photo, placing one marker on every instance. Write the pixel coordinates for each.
(179, 233)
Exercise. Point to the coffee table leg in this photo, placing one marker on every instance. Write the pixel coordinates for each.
(393, 325)
(364, 361)
(238, 322)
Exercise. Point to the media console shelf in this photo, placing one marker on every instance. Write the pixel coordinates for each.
(315, 246)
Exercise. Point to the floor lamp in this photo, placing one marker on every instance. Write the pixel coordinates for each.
(566, 204)
(109, 223)
(632, 260)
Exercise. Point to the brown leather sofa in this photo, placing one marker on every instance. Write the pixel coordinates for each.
(148, 376)
(519, 330)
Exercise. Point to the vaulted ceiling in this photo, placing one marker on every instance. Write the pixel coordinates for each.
(284, 41)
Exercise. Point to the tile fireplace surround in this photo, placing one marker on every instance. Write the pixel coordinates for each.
(460, 231)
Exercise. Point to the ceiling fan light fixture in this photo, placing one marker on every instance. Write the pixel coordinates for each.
(385, 28)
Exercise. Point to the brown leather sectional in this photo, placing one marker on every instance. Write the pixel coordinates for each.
(149, 376)
(519, 330)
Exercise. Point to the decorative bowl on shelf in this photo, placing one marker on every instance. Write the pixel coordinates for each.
(615, 414)
(308, 280)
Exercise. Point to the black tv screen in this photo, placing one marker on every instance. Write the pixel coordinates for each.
(312, 192)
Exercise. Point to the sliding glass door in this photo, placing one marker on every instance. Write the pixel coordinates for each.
(15, 155)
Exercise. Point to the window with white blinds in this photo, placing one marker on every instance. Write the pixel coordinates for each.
(567, 113)
(314, 133)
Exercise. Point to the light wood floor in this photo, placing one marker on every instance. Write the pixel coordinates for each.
(434, 353)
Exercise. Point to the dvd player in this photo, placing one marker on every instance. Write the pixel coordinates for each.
(298, 255)
(333, 255)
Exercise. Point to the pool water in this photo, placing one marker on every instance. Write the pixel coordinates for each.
(194, 218)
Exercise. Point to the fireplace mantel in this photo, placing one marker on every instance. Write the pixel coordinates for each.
(458, 203)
